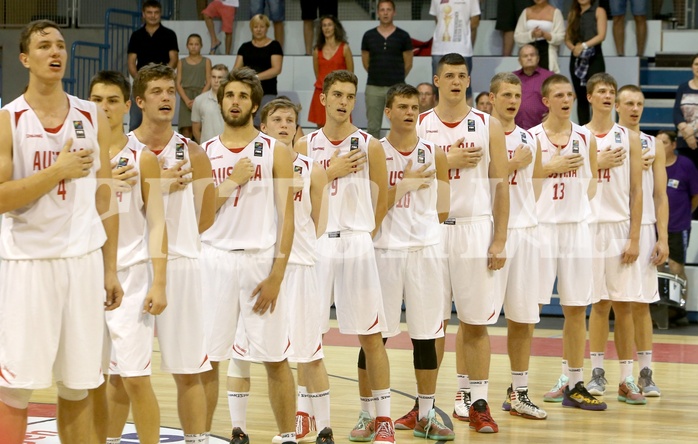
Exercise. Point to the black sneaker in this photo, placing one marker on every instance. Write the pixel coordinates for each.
(325, 436)
(579, 397)
(239, 437)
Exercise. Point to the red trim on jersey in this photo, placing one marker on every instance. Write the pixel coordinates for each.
(54, 130)
(183, 139)
(621, 128)
(319, 347)
(313, 135)
(133, 152)
(529, 133)
(427, 146)
(405, 153)
(452, 124)
(337, 142)
(3, 376)
(156, 152)
(147, 365)
(492, 315)
(441, 327)
(374, 323)
(307, 164)
(87, 115)
(601, 136)
(210, 142)
(478, 113)
(204, 361)
(507, 133)
(18, 114)
(364, 134)
(266, 139)
(584, 138)
(236, 150)
(288, 345)
(424, 114)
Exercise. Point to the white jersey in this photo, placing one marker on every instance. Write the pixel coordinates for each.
(648, 214)
(564, 197)
(180, 210)
(63, 222)
(413, 221)
(350, 203)
(133, 245)
(522, 200)
(247, 219)
(612, 200)
(305, 237)
(470, 188)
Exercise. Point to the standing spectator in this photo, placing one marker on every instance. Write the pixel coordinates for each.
(309, 12)
(428, 96)
(543, 26)
(206, 118)
(331, 53)
(508, 12)
(193, 78)
(482, 102)
(639, 10)
(225, 10)
(386, 53)
(277, 13)
(264, 55)
(532, 76)
(152, 43)
(586, 30)
(455, 31)
(686, 114)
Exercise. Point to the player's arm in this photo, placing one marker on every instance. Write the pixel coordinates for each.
(591, 190)
(538, 174)
(413, 179)
(632, 251)
(242, 173)
(204, 189)
(660, 252)
(268, 290)
(156, 299)
(378, 174)
(105, 201)
(521, 158)
(443, 186)
(301, 146)
(318, 198)
(196, 130)
(499, 177)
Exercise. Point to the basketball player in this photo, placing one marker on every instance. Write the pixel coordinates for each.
(617, 213)
(519, 291)
(189, 210)
(58, 242)
(568, 155)
(474, 235)
(346, 264)
(245, 254)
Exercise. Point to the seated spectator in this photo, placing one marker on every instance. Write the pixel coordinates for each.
(428, 96)
(543, 26)
(331, 53)
(639, 11)
(193, 74)
(225, 9)
(508, 12)
(532, 76)
(686, 114)
(309, 12)
(206, 118)
(482, 102)
(277, 13)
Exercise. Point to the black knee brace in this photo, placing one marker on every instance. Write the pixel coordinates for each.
(424, 354)
(361, 363)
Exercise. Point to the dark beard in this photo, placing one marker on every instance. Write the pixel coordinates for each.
(237, 122)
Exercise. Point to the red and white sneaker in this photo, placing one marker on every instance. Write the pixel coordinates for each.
(481, 419)
(306, 431)
(409, 420)
(385, 432)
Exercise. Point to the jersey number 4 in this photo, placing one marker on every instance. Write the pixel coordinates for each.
(61, 189)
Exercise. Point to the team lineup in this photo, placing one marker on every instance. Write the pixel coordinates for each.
(236, 249)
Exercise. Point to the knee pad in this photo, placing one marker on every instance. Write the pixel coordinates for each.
(15, 398)
(424, 354)
(361, 363)
(239, 369)
(71, 394)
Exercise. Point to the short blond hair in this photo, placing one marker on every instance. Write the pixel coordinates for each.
(260, 18)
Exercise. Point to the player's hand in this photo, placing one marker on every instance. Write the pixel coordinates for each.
(266, 293)
(242, 171)
(564, 164)
(522, 156)
(459, 157)
(155, 300)
(125, 177)
(113, 290)
(610, 157)
(418, 178)
(630, 252)
(348, 163)
(496, 256)
(76, 164)
(175, 178)
(660, 253)
(647, 159)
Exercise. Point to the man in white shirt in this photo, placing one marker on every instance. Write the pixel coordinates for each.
(206, 119)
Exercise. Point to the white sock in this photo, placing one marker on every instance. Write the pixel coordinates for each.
(565, 368)
(597, 359)
(626, 369)
(368, 406)
(576, 375)
(478, 390)
(288, 437)
(304, 404)
(463, 382)
(321, 408)
(519, 379)
(382, 402)
(426, 403)
(114, 440)
(237, 405)
(196, 438)
(644, 359)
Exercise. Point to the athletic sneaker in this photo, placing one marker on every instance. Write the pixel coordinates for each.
(430, 427)
(597, 385)
(557, 393)
(647, 385)
(506, 405)
(239, 437)
(629, 393)
(579, 397)
(408, 420)
(305, 429)
(461, 408)
(522, 406)
(385, 433)
(363, 431)
(481, 419)
(325, 436)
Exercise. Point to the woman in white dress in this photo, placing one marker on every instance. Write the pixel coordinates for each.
(543, 26)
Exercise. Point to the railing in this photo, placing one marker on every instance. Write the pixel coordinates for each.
(120, 24)
(86, 60)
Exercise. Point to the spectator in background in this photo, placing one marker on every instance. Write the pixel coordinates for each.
(331, 53)
(428, 96)
(151, 43)
(277, 13)
(264, 55)
(386, 53)
(532, 76)
(508, 12)
(686, 114)
(193, 78)
(482, 102)
(206, 118)
(542, 26)
(309, 12)
(639, 11)
(225, 10)
(586, 30)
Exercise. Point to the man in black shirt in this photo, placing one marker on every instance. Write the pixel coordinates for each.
(152, 43)
(386, 53)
